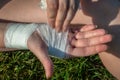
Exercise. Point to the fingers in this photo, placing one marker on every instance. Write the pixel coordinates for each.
(89, 34)
(73, 6)
(74, 28)
(87, 51)
(39, 49)
(84, 42)
(88, 27)
(52, 8)
(61, 14)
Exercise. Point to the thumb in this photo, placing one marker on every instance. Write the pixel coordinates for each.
(42, 55)
(39, 49)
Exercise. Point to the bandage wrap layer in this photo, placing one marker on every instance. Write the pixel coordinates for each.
(57, 42)
(17, 35)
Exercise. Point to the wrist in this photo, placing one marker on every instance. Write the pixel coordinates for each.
(2, 32)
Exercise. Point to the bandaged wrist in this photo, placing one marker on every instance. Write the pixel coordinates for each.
(17, 34)
(57, 42)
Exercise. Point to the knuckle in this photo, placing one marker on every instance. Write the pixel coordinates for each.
(58, 25)
(77, 35)
(80, 43)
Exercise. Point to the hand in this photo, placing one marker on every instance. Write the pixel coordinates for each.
(39, 49)
(84, 45)
(61, 12)
(89, 41)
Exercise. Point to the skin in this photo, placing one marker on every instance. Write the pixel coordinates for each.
(61, 12)
(104, 13)
(34, 9)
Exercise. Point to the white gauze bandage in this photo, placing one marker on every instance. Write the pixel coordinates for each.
(57, 42)
(17, 35)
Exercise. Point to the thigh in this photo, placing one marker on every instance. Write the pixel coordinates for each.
(23, 11)
(29, 11)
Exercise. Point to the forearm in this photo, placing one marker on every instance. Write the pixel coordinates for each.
(2, 31)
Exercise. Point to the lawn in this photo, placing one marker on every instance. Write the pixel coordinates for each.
(23, 65)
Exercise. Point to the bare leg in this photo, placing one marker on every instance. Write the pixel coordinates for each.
(29, 11)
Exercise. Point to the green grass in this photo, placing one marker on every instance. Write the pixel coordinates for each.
(23, 65)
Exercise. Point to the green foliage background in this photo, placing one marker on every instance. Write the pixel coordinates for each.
(23, 65)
